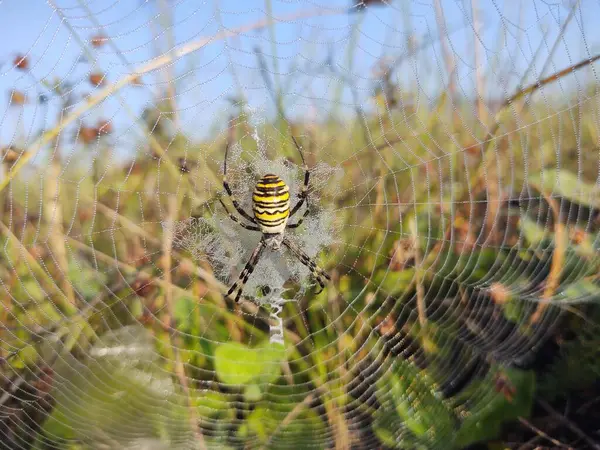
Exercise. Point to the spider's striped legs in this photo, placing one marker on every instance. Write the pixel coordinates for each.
(304, 192)
(317, 272)
(297, 224)
(248, 269)
(236, 205)
(236, 220)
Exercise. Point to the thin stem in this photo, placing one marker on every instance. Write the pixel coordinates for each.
(542, 434)
(558, 258)
(569, 424)
(273, 39)
(62, 299)
(448, 58)
(479, 82)
(350, 49)
(168, 24)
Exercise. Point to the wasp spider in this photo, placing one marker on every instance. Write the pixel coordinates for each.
(271, 212)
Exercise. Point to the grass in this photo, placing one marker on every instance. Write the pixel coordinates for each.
(453, 309)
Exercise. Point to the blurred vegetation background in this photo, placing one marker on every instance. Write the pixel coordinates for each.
(463, 306)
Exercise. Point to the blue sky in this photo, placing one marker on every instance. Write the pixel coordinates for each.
(221, 69)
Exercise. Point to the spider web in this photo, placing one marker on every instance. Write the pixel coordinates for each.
(226, 246)
(453, 197)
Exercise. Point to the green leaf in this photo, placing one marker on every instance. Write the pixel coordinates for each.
(78, 327)
(305, 431)
(211, 404)
(257, 422)
(582, 290)
(48, 311)
(97, 401)
(415, 402)
(384, 434)
(486, 424)
(532, 231)
(568, 185)
(85, 279)
(26, 356)
(237, 364)
(394, 282)
(184, 313)
(57, 425)
(514, 310)
(252, 393)
(137, 307)
(33, 289)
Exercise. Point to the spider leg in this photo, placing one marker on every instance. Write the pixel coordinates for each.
(297, 224)
(236, 220)
(304, 192)
(236, 205)
(317, 272)
(248, 269)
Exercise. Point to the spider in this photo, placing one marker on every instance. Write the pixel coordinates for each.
(271, 212)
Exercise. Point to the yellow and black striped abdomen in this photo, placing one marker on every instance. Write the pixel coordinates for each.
(271, 204)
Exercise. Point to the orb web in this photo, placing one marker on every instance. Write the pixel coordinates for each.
(453, 201)
(227, 246)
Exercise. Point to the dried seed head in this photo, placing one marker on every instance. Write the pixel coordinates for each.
(388, 326)
(103, 128)
(21, 62)
(500, 294)
(17, 97)
(97, 79)
(137, 81)
(577, 235)
(186, 166)
(86, 214)
(402, 254)
(143, 285)
(98, 40)
(38, 251)
(10, 154)
(87, 135)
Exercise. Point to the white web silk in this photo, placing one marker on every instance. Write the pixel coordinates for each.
(459, 228)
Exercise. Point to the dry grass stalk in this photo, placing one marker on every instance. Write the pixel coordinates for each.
(44, 278)
(558, 258)
(167, 244)
(448, 57)
(479, 81)
(53, 215)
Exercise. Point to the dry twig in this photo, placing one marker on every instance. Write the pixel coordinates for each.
(540, 433)
(569, 424)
